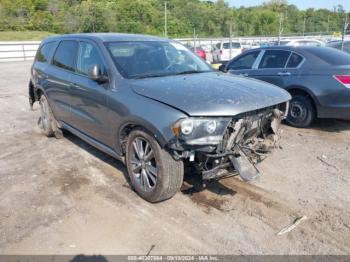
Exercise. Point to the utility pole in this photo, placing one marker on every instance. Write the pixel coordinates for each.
(280, 30)
(230, 40)
(328, 24)
(346, 24)
(194, 39)
(165, 19)
(304, 24)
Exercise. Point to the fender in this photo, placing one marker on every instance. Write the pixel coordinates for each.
(138, 122)
(304, 90)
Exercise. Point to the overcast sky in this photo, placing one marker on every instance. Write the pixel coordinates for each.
(301, 4)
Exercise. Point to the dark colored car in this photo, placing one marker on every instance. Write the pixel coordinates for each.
(338, 45)
(154, 105)
(318, 78)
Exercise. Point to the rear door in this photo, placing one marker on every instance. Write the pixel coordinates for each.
(59, 74)
(89, 97)
(273, 68)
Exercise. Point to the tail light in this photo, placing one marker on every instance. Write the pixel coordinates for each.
(220, 51)
(343, 79)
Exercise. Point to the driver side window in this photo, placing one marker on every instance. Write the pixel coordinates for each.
(244, 62)
(87, 57)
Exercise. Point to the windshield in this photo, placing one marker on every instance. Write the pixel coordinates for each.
(234, 45)
(141, 59)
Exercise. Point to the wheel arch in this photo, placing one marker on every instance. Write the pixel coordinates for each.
(300, 90)
(35, 92)
(128, 127)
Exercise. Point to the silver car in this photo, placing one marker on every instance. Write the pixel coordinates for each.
(153, 104)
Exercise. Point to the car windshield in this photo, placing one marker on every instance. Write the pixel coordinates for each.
(234, 45)
(281, 42)
(142, 59)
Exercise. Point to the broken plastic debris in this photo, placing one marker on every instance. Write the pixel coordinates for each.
(292, 226)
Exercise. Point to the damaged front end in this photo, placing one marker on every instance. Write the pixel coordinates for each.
(230, 144)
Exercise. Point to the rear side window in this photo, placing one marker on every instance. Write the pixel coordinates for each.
(294, 61)
(234, 45)
(44, 52)
(331, 55)
(65, 55)
(244, 62)
(274, 59)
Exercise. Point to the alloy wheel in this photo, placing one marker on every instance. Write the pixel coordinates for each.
(44, 112)
(143, 164)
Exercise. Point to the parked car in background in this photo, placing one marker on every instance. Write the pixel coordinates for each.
(338, 45)
(221, 51)
(300, 42)
(199, 51)
(154, 105)
(318, 78)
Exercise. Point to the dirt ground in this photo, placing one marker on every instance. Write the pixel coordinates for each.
(61, 196)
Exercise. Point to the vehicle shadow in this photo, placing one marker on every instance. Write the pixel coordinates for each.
(192, 180)
(327, 125)
(331, 125)
(193, 183)
(118, 165)
(93, 258)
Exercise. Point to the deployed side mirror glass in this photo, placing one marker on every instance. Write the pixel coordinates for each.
(95, 74)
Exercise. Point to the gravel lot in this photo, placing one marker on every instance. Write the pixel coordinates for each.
(65, 197)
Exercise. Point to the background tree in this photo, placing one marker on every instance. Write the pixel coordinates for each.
(209, 18)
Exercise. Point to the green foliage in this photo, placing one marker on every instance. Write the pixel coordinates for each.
(209, 18)
(23, 35)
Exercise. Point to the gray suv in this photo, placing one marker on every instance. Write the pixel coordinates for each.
(153, 104)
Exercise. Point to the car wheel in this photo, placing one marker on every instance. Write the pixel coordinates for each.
(301, 111)
(153, 173)
(46, 117)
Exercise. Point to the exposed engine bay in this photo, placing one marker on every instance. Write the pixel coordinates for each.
(248, 139)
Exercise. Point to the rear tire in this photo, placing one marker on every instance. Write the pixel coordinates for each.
(153, 173)
(46, 119)
(301, 111)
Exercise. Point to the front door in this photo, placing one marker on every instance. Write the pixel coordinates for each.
(89, 97)
(243, 65)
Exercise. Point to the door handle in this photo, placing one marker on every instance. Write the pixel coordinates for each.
(284, 74)
(73, 85)
(244, 74)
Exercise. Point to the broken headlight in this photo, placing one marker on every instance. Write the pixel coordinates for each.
(200, 130)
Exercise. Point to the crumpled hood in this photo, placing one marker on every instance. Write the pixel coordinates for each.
(211, 94)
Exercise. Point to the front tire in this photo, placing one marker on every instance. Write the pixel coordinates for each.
(301, 111)
(153, 173)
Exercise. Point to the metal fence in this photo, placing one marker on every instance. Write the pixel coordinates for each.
(23, 51)
(18, 51)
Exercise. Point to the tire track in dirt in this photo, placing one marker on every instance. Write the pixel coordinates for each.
(276, 212)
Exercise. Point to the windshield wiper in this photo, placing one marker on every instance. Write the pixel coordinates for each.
(190, 72)
(168, 74)
(150, 75)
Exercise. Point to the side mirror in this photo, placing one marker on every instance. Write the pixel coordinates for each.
(222, 68)
(95, 74)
